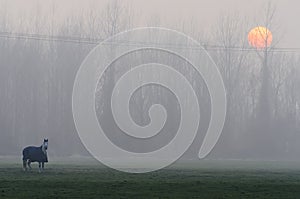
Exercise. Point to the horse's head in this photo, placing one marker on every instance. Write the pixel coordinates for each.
(45, 144)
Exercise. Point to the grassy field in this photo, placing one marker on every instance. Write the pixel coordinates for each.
(208, 179)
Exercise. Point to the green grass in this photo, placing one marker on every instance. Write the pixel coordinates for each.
(194, 180)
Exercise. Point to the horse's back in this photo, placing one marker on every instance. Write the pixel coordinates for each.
(27, 150)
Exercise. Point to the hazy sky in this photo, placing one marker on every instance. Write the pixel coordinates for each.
(206, 12)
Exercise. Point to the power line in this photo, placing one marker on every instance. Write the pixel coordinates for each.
(49, 38)
(95, 41)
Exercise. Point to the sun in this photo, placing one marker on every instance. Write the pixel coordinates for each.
(260, 37)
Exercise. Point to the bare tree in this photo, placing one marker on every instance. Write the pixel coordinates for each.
(231, 58)
(116, 18)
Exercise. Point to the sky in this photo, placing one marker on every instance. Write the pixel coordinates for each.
(50, 89)
(206, 12)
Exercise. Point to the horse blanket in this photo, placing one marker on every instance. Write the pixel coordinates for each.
(34, 154)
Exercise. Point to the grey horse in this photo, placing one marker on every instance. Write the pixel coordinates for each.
(35, 154)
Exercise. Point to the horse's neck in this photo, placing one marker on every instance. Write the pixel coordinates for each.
(44, 150)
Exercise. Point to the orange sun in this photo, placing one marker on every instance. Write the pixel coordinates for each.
(260, 37)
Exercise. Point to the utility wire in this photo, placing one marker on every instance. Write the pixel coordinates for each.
(95, 41)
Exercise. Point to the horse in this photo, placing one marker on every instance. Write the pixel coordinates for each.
(35, 154)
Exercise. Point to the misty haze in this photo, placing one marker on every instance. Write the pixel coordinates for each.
(43, 45)
(41, 53)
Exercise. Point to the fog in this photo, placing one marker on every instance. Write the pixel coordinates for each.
(43, 45)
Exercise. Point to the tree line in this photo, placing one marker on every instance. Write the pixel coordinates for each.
(40, 60)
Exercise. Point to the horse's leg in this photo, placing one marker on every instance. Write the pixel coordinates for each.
(25, 165)
(40, 168)
(43, 165)
(29, 164)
